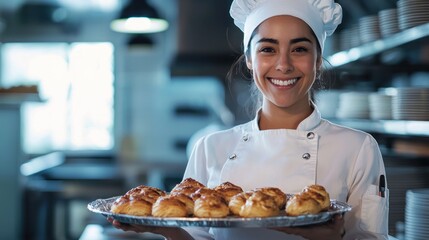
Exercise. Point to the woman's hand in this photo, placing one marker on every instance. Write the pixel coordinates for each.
(331, 230)
(168, 232)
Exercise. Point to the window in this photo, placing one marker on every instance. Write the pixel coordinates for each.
(76, 85)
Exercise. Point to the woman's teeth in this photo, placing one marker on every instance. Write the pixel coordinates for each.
(284, 82)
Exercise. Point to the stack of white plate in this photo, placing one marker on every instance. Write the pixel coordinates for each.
(412, 13)
(349, 37)
(417, 214)
(353, 105)
(388, 20)
(380, 106)
(411, 103)
(369, 29)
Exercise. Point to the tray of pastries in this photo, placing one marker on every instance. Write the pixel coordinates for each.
(190, 203)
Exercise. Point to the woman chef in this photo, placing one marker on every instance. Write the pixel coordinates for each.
(288, 145)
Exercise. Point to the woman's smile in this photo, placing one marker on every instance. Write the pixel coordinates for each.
(283, 83)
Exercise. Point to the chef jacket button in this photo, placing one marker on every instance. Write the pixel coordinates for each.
(233, 156)
(245, 138)
(310, 135)
(306, 156)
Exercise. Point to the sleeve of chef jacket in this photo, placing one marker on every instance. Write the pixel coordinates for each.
(197, 170)
(369, 216)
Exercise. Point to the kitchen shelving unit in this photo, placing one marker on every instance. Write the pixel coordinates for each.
(404, 171)
(351, 56)
(379, 46)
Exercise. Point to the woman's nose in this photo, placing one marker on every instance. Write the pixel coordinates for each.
(284, 64)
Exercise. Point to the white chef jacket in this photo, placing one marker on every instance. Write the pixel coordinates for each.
(345, 161)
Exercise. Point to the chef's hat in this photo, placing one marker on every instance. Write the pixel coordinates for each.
(323, 16)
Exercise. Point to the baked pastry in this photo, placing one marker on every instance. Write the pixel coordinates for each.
(320, 194)
(189, 203)
(137, 190)
(131, 206)
(169, 206)
(188, 186)
(187, 190)
(137, 201)
(228, 185)
(278, 195)
(187, 183)
(259, 204)
(302, 203)
(237, 201)
(228, 190)
(150, 194)
(210, 206)
(191, 197)
(205, 191)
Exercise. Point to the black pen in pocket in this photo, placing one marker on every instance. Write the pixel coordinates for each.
(382, 186)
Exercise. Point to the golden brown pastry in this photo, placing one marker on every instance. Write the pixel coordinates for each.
(118, 205)
(227, 185)
(191, 197)
(237, 201)
(188, 182)
(302, 203)
(188, 186)
(189, 203)
(228, 193)
(137, 207)
(278, 195)
(211, 206)
(139, 189)
(187, 190)
(169, 206)
(259, 205)
(150, 194)
(204, 191)
(320, 194)
(137, 201)
(228, 190)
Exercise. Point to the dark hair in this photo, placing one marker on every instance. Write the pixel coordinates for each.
(239, 68)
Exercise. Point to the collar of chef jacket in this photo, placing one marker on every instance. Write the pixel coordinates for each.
(308, 124)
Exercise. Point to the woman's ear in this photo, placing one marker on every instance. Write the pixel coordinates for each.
(319, 63)
(318, 67)
(248, 63)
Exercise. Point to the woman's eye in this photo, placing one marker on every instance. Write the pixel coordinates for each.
(300, 49)
(266, 50)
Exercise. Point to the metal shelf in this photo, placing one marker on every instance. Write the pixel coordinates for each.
(395, 127)
(378, 46)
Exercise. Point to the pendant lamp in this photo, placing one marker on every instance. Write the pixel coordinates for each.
(139, 17)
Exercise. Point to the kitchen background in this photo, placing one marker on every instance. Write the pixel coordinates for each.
(87, 112)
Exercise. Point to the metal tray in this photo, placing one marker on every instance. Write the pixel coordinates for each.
(102, 206)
